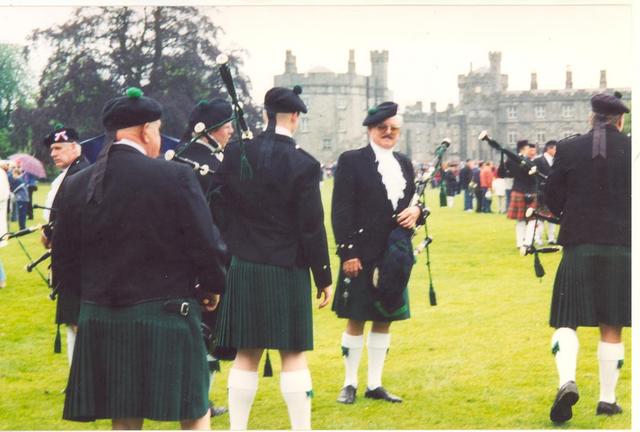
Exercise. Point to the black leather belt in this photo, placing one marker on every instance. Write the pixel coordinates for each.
(179, 307)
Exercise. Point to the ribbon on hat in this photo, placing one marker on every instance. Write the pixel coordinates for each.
(58, 135)
(599, 147)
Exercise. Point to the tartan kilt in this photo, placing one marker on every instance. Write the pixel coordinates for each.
(518, 205)
(265, 306)
(138, 361)
(358, 304)
(592, 286)
(67, 308)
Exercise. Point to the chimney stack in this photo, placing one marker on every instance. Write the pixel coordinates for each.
(603, 79)
(534, 81)
(568, 84)
(290, 63)
(352, 62)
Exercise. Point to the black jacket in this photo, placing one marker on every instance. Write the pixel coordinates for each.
(361, 214)
(543, 166)
(592, 196)
(465, 177)
(77, 165)
(150, 238)
(203, 155)
(276, 217)
(522, 181)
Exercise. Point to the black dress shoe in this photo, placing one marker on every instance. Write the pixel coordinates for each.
(347, 395)
(381, 393)
(216, 411)
(607, 408)
(566, 397)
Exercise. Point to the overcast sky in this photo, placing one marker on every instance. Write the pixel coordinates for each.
(429, 45)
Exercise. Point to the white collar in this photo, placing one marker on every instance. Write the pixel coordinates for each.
(379, 151)
(283, 131)
(133, 144)
(548, 157)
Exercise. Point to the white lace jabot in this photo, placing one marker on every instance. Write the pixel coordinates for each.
(391, 172)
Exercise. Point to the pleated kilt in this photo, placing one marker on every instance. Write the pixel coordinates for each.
(138, 361)
(357, 304)
(266, 306)
(592, 286)
(67, 308)
(518, 205)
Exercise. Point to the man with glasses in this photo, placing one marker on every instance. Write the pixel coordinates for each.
(372, 192)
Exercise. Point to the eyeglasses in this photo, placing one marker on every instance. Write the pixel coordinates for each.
(382, 128)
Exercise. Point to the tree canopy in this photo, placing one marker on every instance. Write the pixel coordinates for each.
(169, 52)
(13, 90)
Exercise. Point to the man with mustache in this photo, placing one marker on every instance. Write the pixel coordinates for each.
(372, 191)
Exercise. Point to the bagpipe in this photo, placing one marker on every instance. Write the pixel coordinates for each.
(33, 263)
(528, 167)
(392, 275)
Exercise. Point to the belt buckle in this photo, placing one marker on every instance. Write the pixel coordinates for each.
(184, 309)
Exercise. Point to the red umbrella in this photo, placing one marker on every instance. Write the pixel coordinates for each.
(29, 164)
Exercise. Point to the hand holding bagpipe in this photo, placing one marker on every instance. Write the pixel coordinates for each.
(523, 163)
(203, 169)
(23, 232)
(33, 264)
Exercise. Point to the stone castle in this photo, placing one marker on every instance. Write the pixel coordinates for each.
(338, 102)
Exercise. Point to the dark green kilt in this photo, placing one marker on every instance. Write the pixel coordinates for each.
(358, 303)
(138, 361)
(266, 306)
(67, 308)
(592, 286)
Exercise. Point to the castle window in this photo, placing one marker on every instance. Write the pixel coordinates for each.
(540, 111)
(567, 111)
(511, 137)
(342, 102)
(512, 112)
(478, 89)
(304, 124)
(326, 144)
(541, 137)
(341, 125)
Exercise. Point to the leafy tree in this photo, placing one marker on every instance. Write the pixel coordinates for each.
(169, 52)
(13, 91)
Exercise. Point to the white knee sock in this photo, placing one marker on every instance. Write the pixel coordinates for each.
(564, 345)
(530, 227)
(71, 343)
(297, 392)
(352, 353)
(377, 344)
(551, 232)
(242, 387)
(521, 232)
(610, 357)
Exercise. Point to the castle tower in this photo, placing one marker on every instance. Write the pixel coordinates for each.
(290, 63)
(603, 79)
(378, 82)
(352, 62)
(495, 58)
(534, 81)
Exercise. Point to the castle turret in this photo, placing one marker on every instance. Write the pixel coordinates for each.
(568, 83)
(290, 63)
(603, 78)
(534, 81)
(352, 62)
(379, 63)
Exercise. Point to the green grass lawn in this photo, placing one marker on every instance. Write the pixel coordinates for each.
(480, 359)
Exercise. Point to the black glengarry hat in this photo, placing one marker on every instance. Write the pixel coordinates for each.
(602, 103)
(284, 100)
(61, 134)
(524, 143)
(380, 113)
(212, 114)
(132, 109)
